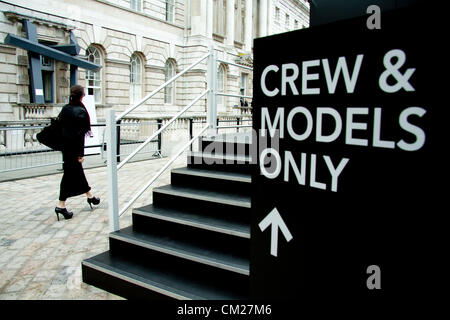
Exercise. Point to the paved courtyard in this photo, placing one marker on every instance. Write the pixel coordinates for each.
(40, 257)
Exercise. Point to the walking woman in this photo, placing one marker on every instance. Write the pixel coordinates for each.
(75, 123)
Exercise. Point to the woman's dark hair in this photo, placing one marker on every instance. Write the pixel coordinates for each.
(76, 93)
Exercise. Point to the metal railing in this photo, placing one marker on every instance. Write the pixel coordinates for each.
(111, 136)
(211, 128)
(20, 150)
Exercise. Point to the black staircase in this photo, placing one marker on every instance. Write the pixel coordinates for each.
(193, 242)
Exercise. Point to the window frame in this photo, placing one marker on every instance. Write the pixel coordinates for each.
(169, 90)
(136, 5)
(170, 11)
(97, 76)
(221, 83)
(48, 72)
(243, 86)
(277, 14)
(220, 21)
(136, 73)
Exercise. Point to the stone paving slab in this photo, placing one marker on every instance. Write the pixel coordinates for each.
(40, 257)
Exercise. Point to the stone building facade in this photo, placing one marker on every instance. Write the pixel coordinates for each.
(139, 44)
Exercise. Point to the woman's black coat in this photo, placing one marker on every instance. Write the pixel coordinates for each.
(75, 123)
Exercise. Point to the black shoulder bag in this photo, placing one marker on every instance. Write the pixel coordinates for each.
(51, 135)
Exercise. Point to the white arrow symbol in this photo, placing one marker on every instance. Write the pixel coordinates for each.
(274, 219)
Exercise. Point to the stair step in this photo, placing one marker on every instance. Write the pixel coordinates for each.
(205, 195)
(238, 147)
(220, 162)
(211, 158)
(236, 137)
(191, 218)
(193, 242)
(115, 272)
(220, 181)
(214, 174)
(184, 248)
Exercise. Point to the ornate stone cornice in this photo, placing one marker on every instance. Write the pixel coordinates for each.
(14, 17)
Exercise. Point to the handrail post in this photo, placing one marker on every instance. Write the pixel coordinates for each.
(159, 121)
(212, 80)
(113, 201)
(191, 129)
(119, 122)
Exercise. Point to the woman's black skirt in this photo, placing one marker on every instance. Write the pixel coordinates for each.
(73, 182)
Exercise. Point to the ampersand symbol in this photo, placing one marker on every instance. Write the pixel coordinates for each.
(392, 70)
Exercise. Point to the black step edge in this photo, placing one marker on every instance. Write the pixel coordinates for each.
(215, 174)
(103, 263)
(133, 237)
(205, 195)
(96, 264)
(197, 221)
(209, 158)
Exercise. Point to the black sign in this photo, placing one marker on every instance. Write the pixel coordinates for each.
(348, 199)
(326, 11)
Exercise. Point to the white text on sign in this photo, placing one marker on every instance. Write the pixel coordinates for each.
(345, 125)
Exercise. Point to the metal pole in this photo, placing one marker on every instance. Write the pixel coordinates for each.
(212, 80)
(113, 200)
(191, 129)
(160, 136)
(119, 122)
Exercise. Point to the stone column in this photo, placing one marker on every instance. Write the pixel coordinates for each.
(209, 19)
(263, 18)
(248, 25)
(270, 17)
(230, 23)
(198, 17)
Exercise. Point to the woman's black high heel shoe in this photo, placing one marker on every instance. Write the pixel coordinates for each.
(66, 214)
(93, 200)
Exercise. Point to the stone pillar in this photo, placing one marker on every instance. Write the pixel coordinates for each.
(248, 25)
(263, 18)
(198, 17)
(209, 19)
(270, 17)
(230, 23)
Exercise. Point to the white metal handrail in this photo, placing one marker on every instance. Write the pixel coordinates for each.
(233, 95)
(112, 122)
(165, 84)
(161, 171)
(235, 64)
(175, 117)
(236, 126)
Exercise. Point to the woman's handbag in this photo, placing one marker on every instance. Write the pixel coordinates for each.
(51, 136)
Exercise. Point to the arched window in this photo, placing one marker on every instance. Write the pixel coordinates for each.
(135, 78)
(169, 73)
(220, 84)
(94, 78)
